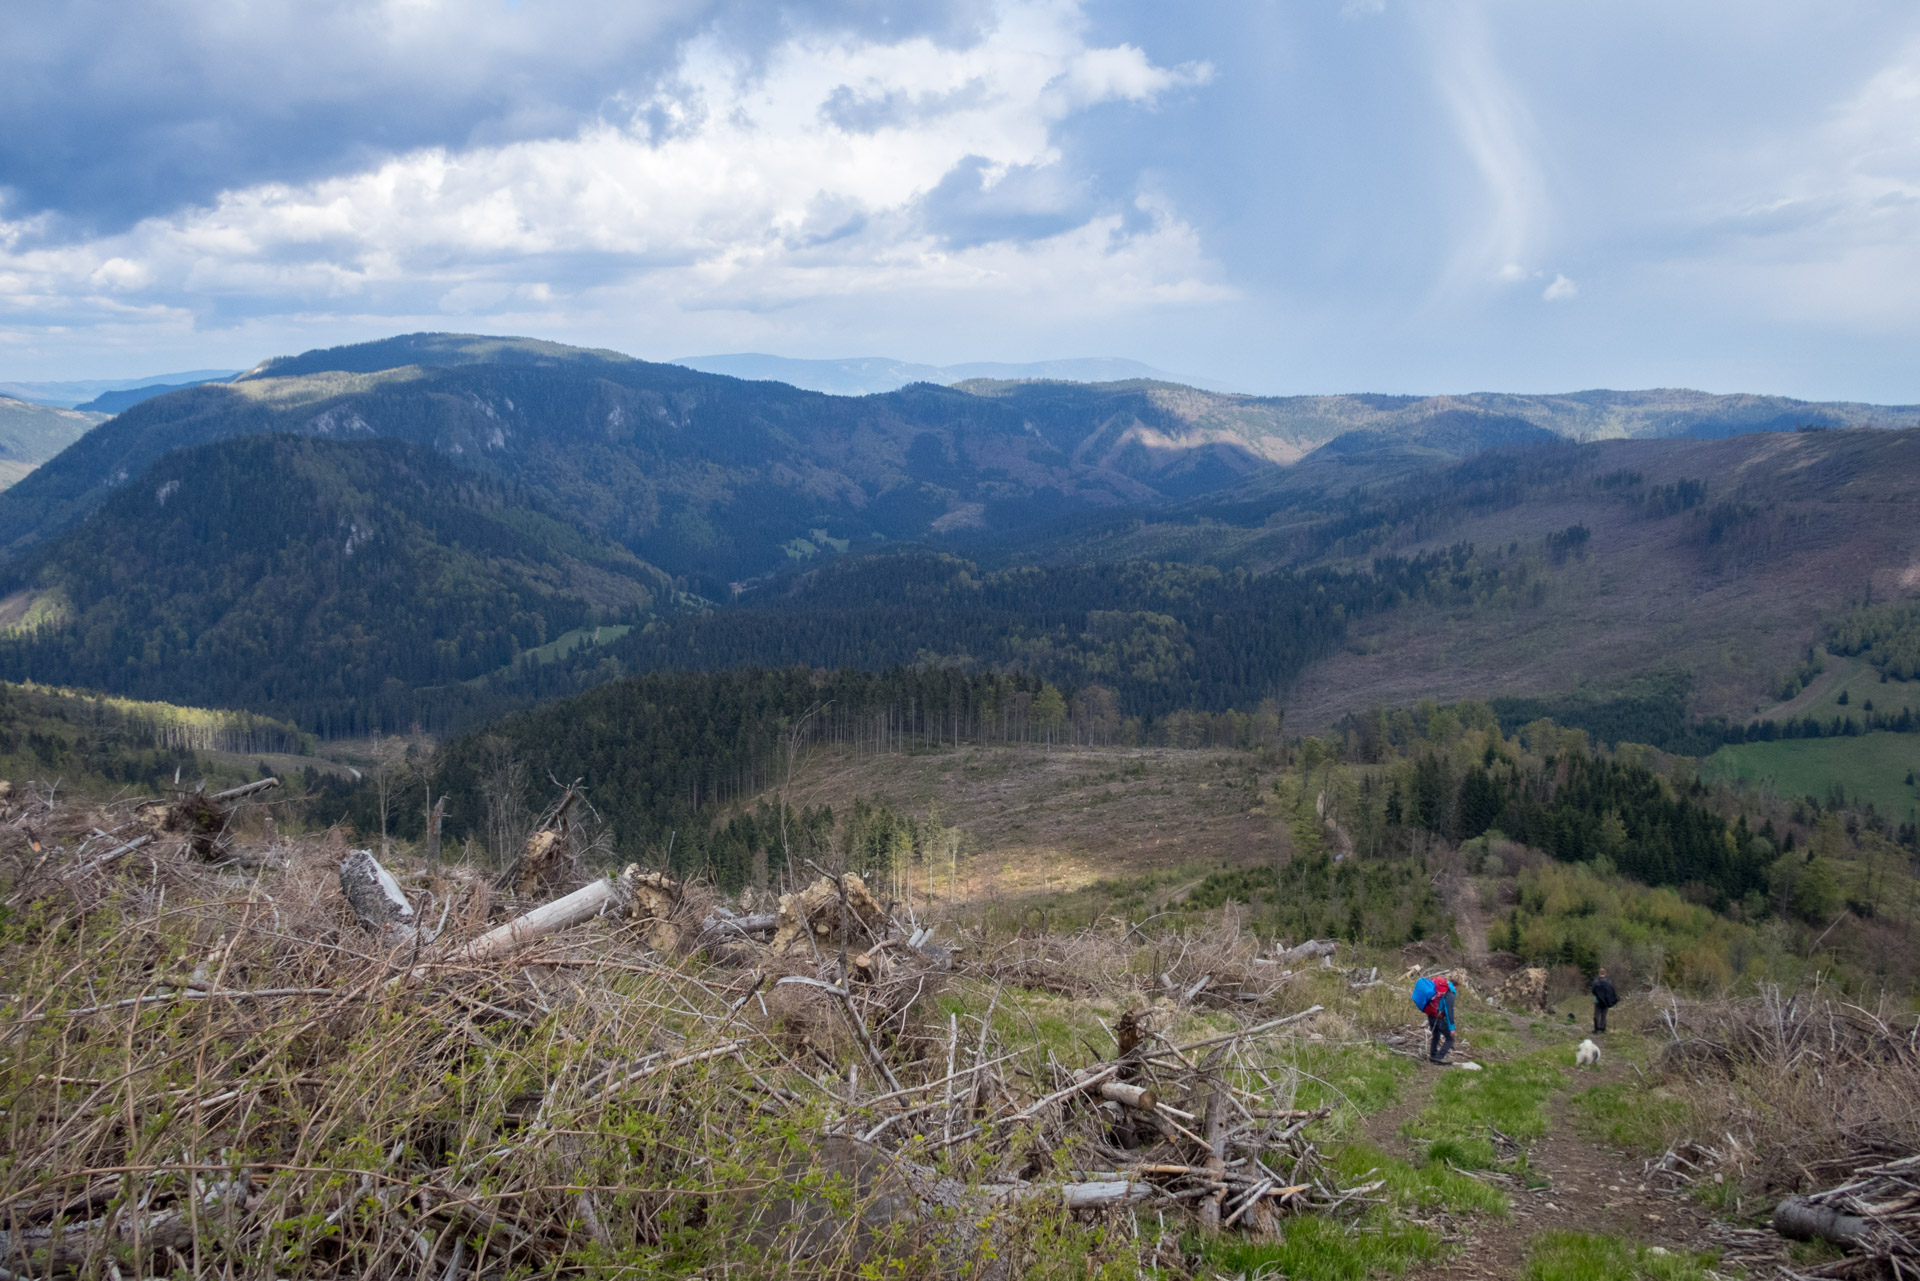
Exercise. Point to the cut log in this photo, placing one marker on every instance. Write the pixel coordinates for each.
(1804, 1220)
(717, 928)
(94, 864)
(377, 900)
(1216, 1114)
(1133, 1096)
(1301, 951)
(245, 789)
(550, 918)
(1102, 1193)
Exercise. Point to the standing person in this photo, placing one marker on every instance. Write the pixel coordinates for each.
(1435, 998)
(1604, 999)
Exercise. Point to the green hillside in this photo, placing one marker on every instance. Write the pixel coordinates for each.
(32, 433)
(718, 479)
(304, 577)
(702, 474)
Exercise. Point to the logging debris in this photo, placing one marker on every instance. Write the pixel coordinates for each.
(1874, 1214)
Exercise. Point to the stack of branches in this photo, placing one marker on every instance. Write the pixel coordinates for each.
(1814, 1080)
(73, 848)
(323, 1067)
(1874, 1214)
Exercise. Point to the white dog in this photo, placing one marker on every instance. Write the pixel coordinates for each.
(1588, 1054)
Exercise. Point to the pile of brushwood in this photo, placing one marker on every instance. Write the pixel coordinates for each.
(1811, 1103)
(254, 1056)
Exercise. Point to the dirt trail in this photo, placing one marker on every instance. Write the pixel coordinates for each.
(1588, 1187)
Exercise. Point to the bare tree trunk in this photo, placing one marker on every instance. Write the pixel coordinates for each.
(434, 815)
(1216, 1136)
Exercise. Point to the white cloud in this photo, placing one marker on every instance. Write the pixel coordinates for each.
(737, 182)
(1495, 130)
(1560, 289)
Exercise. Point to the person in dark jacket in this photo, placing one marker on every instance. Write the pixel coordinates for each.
(1604, 999)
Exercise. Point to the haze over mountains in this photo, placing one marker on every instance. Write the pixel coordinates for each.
(867, 375)
(454, 503)
(74, 393)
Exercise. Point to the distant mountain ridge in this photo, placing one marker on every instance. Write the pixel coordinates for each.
(67, 395)
(870, 375)
(114, 402)
(724, 480)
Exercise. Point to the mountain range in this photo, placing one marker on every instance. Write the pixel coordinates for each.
(335, 536)
(73, 394)
(868, 375)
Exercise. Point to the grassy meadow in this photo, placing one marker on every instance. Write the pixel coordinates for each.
(1873, 768)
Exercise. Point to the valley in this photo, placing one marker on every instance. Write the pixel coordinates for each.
(1103, 697)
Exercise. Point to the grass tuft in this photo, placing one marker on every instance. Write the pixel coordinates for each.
(1586, 1256)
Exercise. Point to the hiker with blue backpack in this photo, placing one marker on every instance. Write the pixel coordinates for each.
(1434, 997)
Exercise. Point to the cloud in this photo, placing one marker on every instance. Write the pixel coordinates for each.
(1560, 289)
(1494, 129)
(741, 177)
(1822, 223)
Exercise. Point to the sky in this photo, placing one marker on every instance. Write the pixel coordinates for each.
(1285, 196)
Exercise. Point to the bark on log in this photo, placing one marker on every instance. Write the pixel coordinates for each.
(1133, 1096)
(245, 789)
(377, 900)
(1102, 1193)
(1803, 1220)
(717, 928)
(550, 918)
(1216, 1114)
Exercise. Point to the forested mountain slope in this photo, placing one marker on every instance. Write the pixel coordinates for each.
(31, 433)
(703, 474)
(303, 577)
(725, 480)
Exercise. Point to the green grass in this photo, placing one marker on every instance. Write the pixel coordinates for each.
(1860, 681)
(1423, 1188)
(1505, 1096)
(1378, 1244)
(1381, 1242)
(1627, 1115)
(1584, 1256)
(1873, 768)
(1358, 1080)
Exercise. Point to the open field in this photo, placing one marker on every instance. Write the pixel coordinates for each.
(1040, 822)
(1859, 681)
(1873, 769)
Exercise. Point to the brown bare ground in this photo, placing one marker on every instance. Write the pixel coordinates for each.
(1840, 514)
(1043, 822)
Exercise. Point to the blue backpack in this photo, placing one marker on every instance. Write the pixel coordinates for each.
(1422, 993)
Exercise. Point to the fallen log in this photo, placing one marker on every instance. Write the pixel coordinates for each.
(1133, 1096)
(245, 789)
(549, 918)
(1101, 1193)
(1803, 1220)
(40, 1251)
